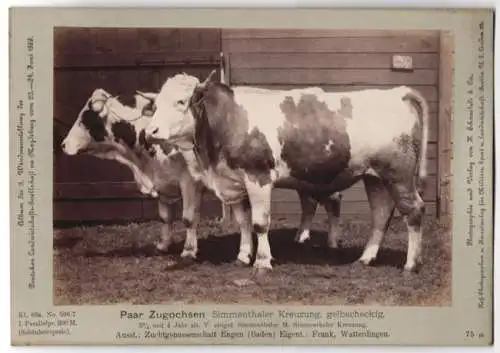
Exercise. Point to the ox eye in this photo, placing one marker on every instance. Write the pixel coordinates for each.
(149, 110)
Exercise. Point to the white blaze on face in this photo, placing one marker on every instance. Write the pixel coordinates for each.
(78, 137)
(172, 117)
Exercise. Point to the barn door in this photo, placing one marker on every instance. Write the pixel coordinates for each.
(120, 61)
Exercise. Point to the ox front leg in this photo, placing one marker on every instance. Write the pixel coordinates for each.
(243, 217)
(332, 207)
(166, 214)
(259, 194)
(381, 205)
(191, 202)
(308, 207)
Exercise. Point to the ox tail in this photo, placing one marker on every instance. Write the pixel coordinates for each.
(419, 102)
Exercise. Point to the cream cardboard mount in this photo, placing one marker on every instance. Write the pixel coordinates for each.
(168, 165)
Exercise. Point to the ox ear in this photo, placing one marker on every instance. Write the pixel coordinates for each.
(148, 95)
(209, 79)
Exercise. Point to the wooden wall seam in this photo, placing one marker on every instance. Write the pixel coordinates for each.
(445, 126)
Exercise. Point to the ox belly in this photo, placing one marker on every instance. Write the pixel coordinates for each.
(341, 182)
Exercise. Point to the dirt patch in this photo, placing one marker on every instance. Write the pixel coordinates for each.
(118, 264)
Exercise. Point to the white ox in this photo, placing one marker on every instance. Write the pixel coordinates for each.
(113, 128)
(242, 142)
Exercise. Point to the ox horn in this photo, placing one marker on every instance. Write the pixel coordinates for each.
(148, 95)
(208, 79)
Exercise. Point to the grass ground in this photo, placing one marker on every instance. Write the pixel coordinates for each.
(108, 264)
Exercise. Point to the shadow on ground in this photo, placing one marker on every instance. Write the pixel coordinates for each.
(224, 249)
(118, 263)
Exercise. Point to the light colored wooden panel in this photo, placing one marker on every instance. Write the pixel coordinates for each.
(403, 44)
(238, 33)
(327, 61)
(333, 77)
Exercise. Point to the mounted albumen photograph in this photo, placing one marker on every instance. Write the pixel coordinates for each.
(252, 166)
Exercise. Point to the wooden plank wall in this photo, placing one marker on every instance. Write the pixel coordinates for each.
(338, 61)
(120, 60)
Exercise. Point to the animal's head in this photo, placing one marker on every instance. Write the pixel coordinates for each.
(106, 119)
(173, 118)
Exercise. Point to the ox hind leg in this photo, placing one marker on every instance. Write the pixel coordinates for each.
(412, 207)
(382, 207)
(332, 206)
(308, 207)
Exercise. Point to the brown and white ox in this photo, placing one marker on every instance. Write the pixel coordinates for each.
(242, 142)
(113, 128)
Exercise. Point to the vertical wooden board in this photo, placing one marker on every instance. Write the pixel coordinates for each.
(445, 125)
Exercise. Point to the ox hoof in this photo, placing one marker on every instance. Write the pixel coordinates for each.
(244, 258)
(368, 261)
(186, 262)
(260, 272)
(302, 237)
(189, 254)
(411, 269)
(239, 263)
(161, 246)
